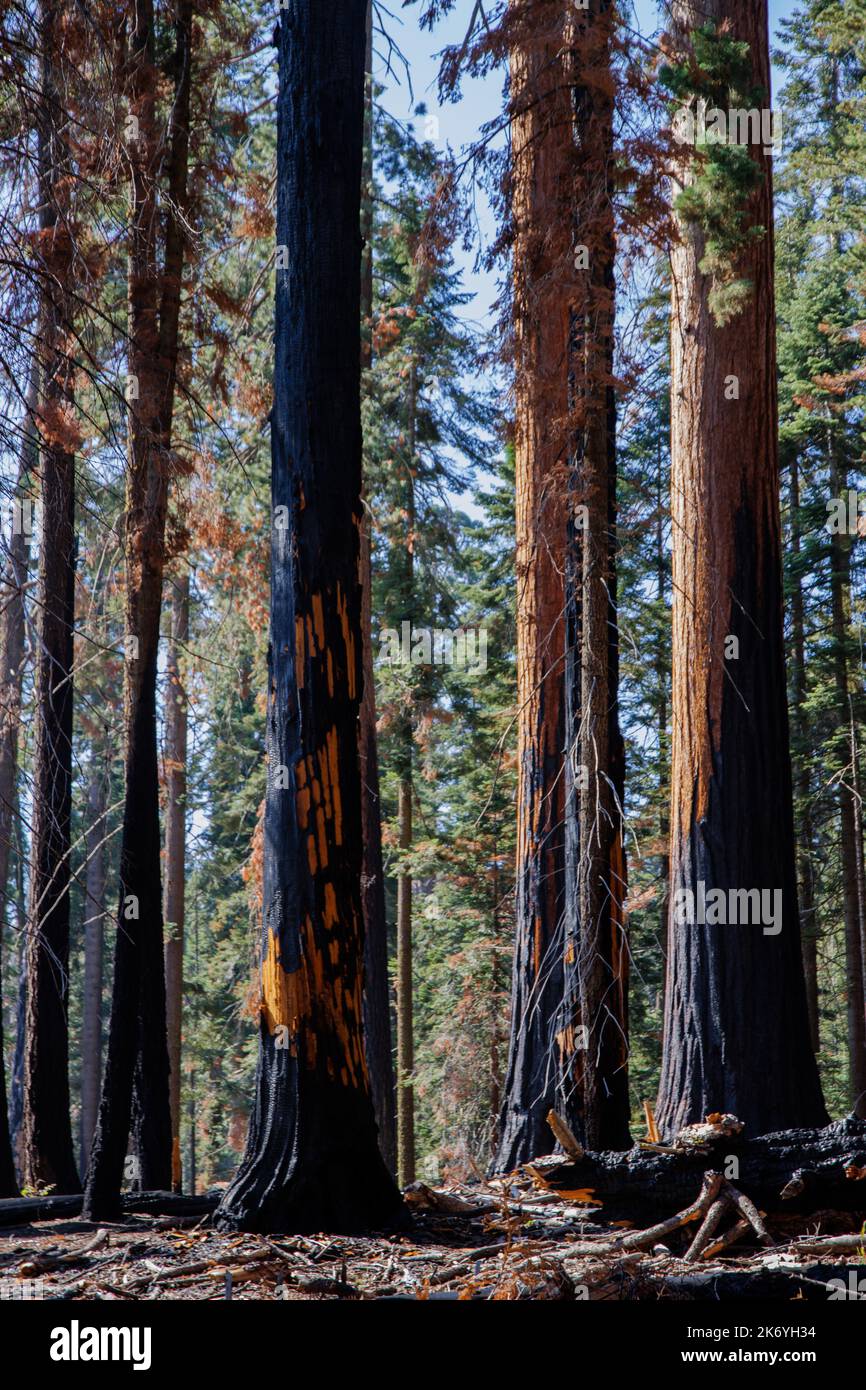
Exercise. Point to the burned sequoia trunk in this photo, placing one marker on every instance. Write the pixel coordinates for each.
(596, 953)
(312, 1160)
(543, 290)
(736, 1034)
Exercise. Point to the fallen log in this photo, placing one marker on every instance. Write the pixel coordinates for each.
(817, 1283)
(21, 1211)
(795, 1170)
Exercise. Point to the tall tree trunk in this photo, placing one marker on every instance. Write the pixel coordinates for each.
(377, 1000)
(312, 1160)
(541, 137)
(94, 944)
(662, 725)
(137, 1057)
(736, 1024)
(12, 623)
(405, 1021)
(46, 1128)
(861, 864)
(176, 705)
(405, 792)
(595, 874)
(802, 779)
(840, 604)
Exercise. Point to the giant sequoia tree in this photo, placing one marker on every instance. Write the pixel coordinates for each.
(568, 1044)
(543, 290)
(312, 1161)
(736, 1025)
(596, 956)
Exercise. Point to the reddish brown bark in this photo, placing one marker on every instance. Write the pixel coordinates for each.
(137, 1066)
(595, 859)
(736, 1024)
(543, 289)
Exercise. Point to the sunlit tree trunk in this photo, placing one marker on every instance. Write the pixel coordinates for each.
(840, 611)
(541, 137)
(595, 872)
(12, 623)
(377, 1001)
(736, 1023)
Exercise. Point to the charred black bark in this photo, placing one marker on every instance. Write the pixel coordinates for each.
(46, 1129)
(737, 1036)
(312, 1160)
(810, 1165)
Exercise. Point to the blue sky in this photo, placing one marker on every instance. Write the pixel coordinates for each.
(482, 99)
(460, 122)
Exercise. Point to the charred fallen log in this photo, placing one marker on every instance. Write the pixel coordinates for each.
(795, 1170)
(816, 1283)
(20, 1211)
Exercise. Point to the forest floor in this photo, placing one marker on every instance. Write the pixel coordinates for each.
(505, 1239)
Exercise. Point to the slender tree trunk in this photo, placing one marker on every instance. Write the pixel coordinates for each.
(192, 1173)
(541, 137)
(137, 1057)
(46, 1127)
(736, 1023)
(857, 798)
(840, 604)
(176, 705)
(495, 1038)
(405, 1024)
(405, 791)
(12, 623)
(94, 945)
(16, 1080)
(802, 779)
(312, 1160)
(662, 675)
(595, 874)
(377, 1001)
